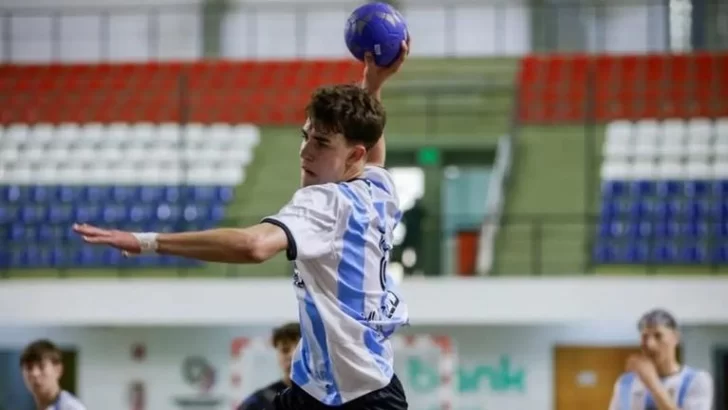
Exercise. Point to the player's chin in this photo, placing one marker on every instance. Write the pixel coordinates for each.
(308, 179)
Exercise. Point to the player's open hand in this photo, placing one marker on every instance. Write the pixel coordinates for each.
(375, 76)
(121, 240)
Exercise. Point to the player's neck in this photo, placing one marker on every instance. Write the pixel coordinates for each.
(667, 368)
(286, 381)
(43, 401)
(353, 173)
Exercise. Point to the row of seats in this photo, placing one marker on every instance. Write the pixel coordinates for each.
(661, 231)
(127, 176)
(663, 169)
(14, 195)
(664, 192)
(664, 189)
(126, 153)
(571, 88)
(270, 93)
(210, 74)
(117, 134)
(228, 175)
(639, 252)
(85, 256)
(698, 138)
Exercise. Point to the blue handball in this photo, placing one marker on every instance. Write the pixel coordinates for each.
(377, 28)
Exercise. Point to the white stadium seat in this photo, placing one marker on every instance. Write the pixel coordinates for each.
(667, 169)
(669, 149)
(121, 153)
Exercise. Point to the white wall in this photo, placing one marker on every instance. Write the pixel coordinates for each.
(170, 29)
(105, 366)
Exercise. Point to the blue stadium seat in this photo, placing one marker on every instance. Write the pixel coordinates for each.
(40, 218)
(155, 196)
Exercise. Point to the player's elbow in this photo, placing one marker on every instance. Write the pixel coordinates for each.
(254, 247)
(249, 249)
(257, 253)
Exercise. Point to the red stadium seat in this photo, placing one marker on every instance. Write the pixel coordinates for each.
(272, 92)
(569, 89)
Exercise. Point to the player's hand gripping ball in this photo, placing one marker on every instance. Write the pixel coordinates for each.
(376, 28)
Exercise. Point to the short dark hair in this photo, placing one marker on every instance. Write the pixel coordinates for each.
(657, 317)
(290, 332)
(350, 110)
(40, 350)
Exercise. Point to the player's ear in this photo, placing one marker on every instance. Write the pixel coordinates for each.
(58, 370)
(357, 153)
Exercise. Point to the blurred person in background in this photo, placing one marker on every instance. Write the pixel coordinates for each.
(655, 379)
(41, 363)
(284, 340)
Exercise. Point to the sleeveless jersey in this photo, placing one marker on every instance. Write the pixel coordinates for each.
(339, 238)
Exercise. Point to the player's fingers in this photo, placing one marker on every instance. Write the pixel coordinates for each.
(97, 240)
(369, 59)
(400, 60)
(405, 51)
(84, 229)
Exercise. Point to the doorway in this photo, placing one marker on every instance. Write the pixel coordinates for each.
(13, 393)
(584, 376)
(720, 363)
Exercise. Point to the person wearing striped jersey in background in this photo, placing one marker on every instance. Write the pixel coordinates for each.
(655, 379)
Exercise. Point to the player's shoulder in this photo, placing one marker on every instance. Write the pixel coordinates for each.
(699, 377)
(319, 196)
(626, 379)
(70, 402)
(380, 177)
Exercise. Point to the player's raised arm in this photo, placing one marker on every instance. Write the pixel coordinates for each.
(374, 79)
(303, 228)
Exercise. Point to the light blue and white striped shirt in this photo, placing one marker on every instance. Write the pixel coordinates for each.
(340, 235)
(690, 388)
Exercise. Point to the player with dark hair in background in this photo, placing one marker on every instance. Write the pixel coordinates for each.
(284, 340)
(655, 379)
(42, 366)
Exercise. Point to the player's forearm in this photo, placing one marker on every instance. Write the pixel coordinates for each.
(224, 245)
(662, 398)
(377, 154)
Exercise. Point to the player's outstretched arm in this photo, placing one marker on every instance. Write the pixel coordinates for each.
(255, 244)
(373, 81)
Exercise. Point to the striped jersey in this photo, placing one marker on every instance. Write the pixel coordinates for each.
(690, 388)
(66, 401)
(339, 239)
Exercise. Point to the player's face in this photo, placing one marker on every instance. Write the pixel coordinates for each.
(325, 157)
(284, 351)
(41, 378)
(659, 342)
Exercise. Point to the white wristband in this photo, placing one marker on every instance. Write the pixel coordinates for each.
(147, 241)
